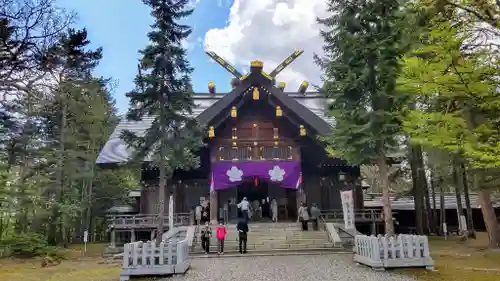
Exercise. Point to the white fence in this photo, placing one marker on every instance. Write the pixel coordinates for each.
(390, 252)
(141, 259)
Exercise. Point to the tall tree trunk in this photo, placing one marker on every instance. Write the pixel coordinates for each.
(425, 190)
(490, 219)
(489, 216)
(88, 216)
(418, 195)
(435, 228)
(55, 219)
(470, 221)
(386, 200)
(457, 182)
(442, 207)
(161, 195)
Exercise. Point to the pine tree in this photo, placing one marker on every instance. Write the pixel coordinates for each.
(363, 42)
(163, 90)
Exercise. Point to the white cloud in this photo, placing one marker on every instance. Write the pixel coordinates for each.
(270, 30)
(193, 3)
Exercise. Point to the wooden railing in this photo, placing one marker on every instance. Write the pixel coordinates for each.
(146, 220)
(146, 259)
(393, 252)
(363, 215)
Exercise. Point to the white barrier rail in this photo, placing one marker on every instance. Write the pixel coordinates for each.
(391, 252)
(143, 259)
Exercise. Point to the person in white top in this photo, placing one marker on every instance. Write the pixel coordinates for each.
(274, 210)
(197, 214)
(244, 206)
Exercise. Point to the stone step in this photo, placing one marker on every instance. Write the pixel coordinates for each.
(235, 248)
(286, 252)
(279, 233)
(274, 252)
(276, 247)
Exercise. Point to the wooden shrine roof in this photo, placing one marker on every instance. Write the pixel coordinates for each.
(115, 150)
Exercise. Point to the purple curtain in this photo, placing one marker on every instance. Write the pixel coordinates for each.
(229, 174)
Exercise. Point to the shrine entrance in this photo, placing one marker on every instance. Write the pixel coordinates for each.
(257, 193)
(263, 192)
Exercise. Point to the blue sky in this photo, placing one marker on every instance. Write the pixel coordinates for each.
(120, 27)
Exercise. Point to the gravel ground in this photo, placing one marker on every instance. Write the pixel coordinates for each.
(284, 268)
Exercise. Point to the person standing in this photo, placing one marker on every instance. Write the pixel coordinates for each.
(303, 216)
(197, 214)
(206, 234)
(226, 212)
(315, 214)
(242, 228)
(220, 232)
(244, 206)
(274, 210)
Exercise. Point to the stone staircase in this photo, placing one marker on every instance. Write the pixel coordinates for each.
(273, 237)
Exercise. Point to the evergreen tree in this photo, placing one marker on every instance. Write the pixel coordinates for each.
(163, 91)
(363, 42)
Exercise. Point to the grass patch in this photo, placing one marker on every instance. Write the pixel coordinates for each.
(76, 267)
(456, 260)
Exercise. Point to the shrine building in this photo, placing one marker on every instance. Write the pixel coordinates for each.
(261, 143)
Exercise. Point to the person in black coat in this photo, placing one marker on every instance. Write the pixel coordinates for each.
(242, 228)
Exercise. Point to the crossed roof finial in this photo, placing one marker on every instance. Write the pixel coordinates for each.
(255, 63)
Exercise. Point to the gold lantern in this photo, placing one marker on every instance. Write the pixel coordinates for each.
(302, 130)
(255, 93)
(282, 86)
(234, 112)
(211, 88)
(279, 112)
(211, 132)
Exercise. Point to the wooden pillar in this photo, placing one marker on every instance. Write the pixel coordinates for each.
(213, 207)
(112, 244)
(132, 235)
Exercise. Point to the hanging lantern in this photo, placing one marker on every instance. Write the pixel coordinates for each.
(302, 130)
(211, 88)
(256, 181)
(275, 143)
(282, 86)
(279, 112)
(211, 132)
(234, 112)
(255, 93)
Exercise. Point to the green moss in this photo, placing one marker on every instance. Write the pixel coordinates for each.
(461, 261)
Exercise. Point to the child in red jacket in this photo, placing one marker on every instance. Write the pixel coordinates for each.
(221, 232)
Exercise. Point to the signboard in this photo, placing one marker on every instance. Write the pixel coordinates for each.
(85, 240)
(348, 208)
(171, 212)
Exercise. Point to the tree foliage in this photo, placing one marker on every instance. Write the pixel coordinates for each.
(163, 92)
(363, 44)
(52, 128)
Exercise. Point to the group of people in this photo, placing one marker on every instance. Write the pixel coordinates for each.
(247, 209)
(202, 213)
(220, 234)
(304, 215)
